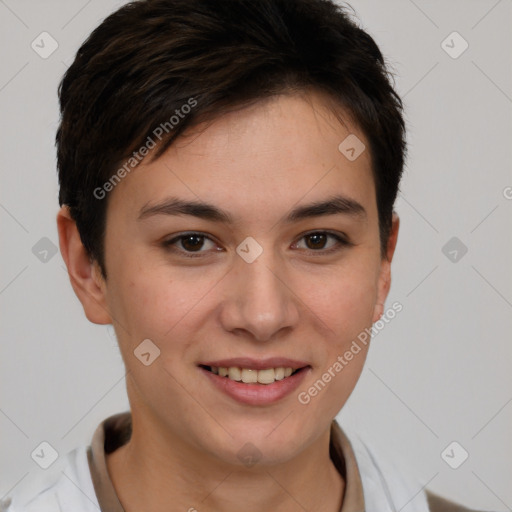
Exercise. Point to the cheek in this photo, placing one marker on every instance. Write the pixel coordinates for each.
(163, 305)
(344, 301)
(149, 304)
(345, 304)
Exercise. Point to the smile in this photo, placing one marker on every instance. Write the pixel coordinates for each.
(255, 382)
(252, 376)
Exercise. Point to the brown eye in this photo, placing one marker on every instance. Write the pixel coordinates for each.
(316, 240)
(320, 241)
(191, 245)
(192, 242)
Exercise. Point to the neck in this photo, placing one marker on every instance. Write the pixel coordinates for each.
(154, 470)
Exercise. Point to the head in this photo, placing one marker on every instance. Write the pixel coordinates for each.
(229, 120)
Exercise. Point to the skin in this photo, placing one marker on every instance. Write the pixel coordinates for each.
(295, 300)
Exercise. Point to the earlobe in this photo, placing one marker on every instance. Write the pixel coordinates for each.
(385, 270)
(378, 311)
(83, 273)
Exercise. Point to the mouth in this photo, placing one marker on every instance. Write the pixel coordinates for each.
(263, 376)
(255, 382)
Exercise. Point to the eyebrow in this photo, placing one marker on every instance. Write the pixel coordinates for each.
(337, 204)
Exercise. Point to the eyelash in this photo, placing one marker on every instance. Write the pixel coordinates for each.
(340, 243)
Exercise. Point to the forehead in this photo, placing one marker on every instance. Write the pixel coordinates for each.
(261, 158)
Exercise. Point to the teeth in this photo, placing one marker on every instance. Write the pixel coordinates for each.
(279, 373)
(248, 376)
(234, 373)
(266, 376)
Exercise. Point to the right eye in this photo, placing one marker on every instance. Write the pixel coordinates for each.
(189, 244)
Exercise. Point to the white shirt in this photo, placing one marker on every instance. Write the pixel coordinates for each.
(371, 483)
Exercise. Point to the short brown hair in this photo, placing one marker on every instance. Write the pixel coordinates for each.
(151, 57)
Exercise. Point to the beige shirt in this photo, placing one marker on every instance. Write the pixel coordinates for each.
(116, 431)
(83, 483)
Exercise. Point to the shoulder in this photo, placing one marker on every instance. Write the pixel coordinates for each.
(389, 483)
(440, 504)
(386, 485)
(67, 485)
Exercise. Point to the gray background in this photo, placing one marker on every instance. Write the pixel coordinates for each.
(439, 372)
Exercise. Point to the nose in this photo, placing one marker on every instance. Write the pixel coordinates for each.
(260, 300)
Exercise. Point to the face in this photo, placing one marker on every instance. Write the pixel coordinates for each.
(256, 278)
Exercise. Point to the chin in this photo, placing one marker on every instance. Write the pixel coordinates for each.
(269, 443)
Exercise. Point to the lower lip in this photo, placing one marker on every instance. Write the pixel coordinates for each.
(257, 394)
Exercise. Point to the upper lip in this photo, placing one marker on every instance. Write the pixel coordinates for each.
(257, 364)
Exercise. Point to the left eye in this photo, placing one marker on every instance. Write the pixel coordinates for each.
(317, 241)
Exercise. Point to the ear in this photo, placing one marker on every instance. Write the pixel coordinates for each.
(385, 269)
(84, 274)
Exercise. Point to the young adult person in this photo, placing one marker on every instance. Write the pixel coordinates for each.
(228, 170)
